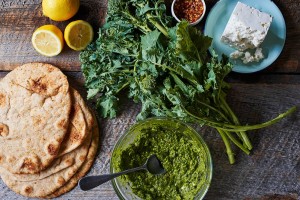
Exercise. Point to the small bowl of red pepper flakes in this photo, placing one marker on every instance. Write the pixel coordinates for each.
(190, 10)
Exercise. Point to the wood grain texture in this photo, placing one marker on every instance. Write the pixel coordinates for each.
(271, 172)
(289, 60)
(19, 19)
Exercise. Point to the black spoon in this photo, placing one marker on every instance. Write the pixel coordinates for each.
(152, 165)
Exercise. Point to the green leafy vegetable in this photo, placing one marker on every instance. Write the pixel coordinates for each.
(164, 67)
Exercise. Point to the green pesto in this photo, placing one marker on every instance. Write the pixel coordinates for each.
(182, 157)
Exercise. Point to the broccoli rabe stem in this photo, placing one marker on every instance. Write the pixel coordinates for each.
(162, 29)
(237, 143)
(242, 134)
(227, 113)
(237, 128)
(227, 145)
(180, 72)
(123, 87)
(225, 133)
(144, 28)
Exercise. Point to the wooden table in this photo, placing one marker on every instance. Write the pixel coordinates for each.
(272, 171)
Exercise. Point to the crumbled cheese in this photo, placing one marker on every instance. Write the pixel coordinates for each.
(247, 58)
(246, 28)
(258, 54)
(256, 57)
(236, 54)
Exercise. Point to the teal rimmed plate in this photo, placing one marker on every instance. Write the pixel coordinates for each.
(272, 45)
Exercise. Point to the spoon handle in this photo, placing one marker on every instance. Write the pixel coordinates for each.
(91, 182)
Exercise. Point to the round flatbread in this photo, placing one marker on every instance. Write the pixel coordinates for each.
(50, 184)
(75, 136)
(83, 169)
(58, 165)
(89, 118)
(78, 128)
(34, 114)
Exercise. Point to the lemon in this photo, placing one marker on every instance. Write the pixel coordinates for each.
(78, 34)
(60, 10)
(48, 40)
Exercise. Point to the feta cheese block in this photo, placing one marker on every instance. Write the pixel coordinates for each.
(247, 27)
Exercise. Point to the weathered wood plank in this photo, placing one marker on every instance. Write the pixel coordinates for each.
(273, 169)
(258, 78)
(19, 19)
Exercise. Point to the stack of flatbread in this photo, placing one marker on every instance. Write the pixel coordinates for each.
(48, 135)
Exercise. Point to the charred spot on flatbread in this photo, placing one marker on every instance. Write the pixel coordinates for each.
(4, 131)
(30, 164)
(52, 149)
(61, 124)
(28, 190)
(60, 180)
(2, 100)
(39, 85)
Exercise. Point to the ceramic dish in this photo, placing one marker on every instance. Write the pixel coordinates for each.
(272, 45)
(191, 23)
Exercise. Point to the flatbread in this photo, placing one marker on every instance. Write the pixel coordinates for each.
(50, 184)
(78, 128)
(58, 165)
(83, 169)
(75, 136)
(34, 115)
(89, 118)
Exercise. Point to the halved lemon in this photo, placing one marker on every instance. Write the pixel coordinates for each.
(48, 40)
(78, 35)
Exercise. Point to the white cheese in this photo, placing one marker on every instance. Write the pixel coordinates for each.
(248, 58)
(255, 57)
(258, 55)
(247, 27)
(236, 54)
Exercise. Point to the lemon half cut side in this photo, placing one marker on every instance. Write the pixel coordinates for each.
(78, 35)
(48, 40)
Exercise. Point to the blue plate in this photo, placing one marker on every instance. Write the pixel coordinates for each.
(272, 45)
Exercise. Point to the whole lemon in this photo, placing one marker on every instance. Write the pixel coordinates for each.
(60, 10)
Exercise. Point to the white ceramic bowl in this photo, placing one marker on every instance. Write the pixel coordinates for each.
(191, 23)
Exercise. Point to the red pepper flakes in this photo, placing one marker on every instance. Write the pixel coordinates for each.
(191, 10)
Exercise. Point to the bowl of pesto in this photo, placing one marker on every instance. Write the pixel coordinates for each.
(182, 152)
